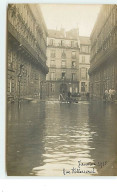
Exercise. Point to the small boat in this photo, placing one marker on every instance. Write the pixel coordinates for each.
(67, 99)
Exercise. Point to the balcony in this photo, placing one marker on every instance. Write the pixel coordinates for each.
(103, 54)
(62, 46)
(103, 57)
(68, 80)
(26, 46)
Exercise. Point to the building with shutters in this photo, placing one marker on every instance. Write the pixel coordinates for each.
(63, 62)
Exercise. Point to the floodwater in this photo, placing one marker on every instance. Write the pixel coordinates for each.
(61, 139)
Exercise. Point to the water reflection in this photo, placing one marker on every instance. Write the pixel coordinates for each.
(102, 117)
(49, 138)
(24, 138)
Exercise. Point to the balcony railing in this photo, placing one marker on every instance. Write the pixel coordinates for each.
(103, 54)
(63, 46)
(100, 47)
(70, 80)
(26, 45)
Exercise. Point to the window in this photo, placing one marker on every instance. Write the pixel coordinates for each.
(10, 64)
(82, 86)
(73, 54)
(63, 55)
(73, 76)
(89, 49)
(68, 43)
(83, 73)
(72, 43)
(52, 75)
(52, 87)
(52, 54)
(63, 75)
(62, 43)
(83, 59)
(51, 42)
(52, 63)
(73, 64)
(63, 63)
(76, 44)
(70, 89)
(86, 49)
(82, 49)
(76, 90)
(86, 73)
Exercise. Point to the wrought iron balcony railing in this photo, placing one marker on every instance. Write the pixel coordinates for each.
(70, 80)
(26, 46)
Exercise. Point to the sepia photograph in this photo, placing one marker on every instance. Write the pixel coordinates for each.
(61, 90)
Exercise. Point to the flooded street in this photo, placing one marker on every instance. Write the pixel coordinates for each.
(60, 139)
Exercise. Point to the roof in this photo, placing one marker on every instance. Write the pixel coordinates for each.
(71, 34)
(85, 40)
(56, 34)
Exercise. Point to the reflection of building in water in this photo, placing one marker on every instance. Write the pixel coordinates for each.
(63, 61)
(26, 51)
(103, 71)
(84, 64)
(25, 138)
(102, 121)
(67, 140)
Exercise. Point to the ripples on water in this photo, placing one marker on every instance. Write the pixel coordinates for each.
(43, 139)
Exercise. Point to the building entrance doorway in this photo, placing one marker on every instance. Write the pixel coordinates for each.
(63, 88)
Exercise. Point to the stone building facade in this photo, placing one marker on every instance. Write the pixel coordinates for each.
(63, 61)
(26, 52)
(84, 64)
(103, 70)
